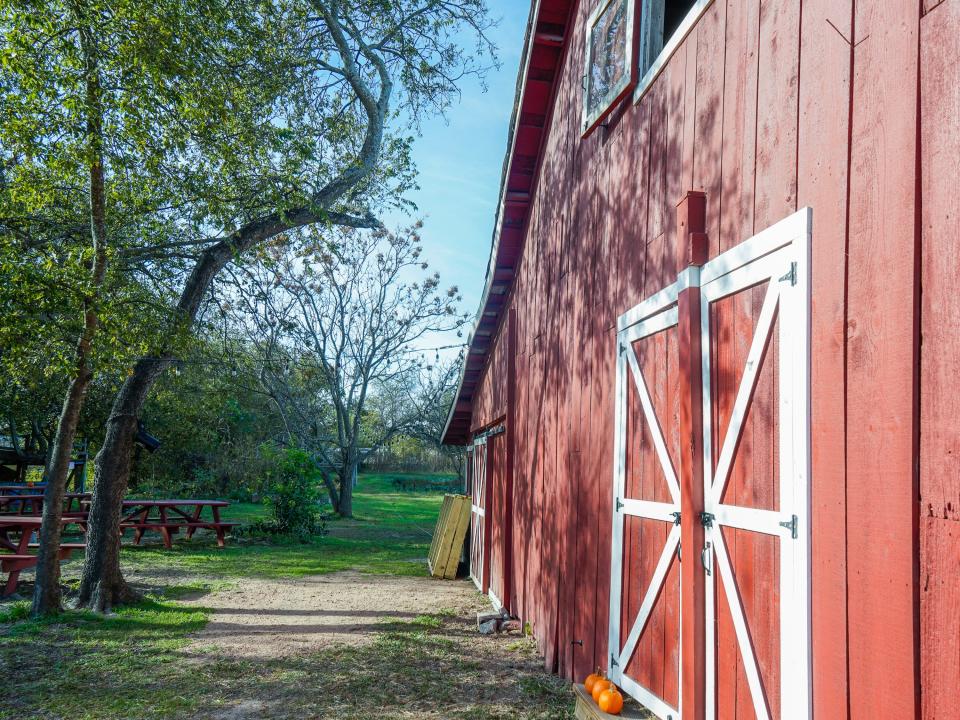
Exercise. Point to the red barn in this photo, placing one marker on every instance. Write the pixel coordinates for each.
(711, 392)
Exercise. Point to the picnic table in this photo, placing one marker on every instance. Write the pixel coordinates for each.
(33, 504)
(16, 555)
(170, 516)
(28, 488)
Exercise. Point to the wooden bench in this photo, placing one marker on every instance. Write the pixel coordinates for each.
(168, 529)
(14, 564)
(168, 516)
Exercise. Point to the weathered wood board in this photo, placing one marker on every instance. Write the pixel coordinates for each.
(587, 709)
(448, 536)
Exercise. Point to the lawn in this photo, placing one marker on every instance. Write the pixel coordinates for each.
(139, 662)
(389, 533)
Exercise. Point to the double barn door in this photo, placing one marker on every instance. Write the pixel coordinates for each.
(489, 492)
(743, 423)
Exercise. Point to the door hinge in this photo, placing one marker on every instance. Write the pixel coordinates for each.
(791, 525)
(613, 661)
(706, 519)
(791, 275)
(619, 504)
(676, 517)
(623, 348)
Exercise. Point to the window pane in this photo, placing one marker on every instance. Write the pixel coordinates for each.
(608, 72)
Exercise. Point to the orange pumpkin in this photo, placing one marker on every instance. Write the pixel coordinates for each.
(598, 687)
(611, 701)
(591, 679)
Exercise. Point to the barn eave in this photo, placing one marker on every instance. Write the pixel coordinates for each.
(544, 46)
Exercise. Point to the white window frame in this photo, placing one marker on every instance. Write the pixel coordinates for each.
(589, 120)
(669, 47)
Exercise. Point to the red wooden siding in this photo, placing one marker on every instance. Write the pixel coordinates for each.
(767, 106)
(939, 521)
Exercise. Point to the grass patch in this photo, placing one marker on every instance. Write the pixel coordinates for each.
(19, 610)
(390, 533)
(136, 663)
(82, 665)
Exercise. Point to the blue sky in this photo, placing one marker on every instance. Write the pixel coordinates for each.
(459, 161)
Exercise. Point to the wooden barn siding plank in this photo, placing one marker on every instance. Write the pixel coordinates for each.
(565, 500)
(511, 440)
(940, 143)
(735, 206)
(881, 335)
(775, 198)
(554, 507)
(940, 319)
(777, 102)
(709, 114)
(738, 155)
(940, 617)
(822, 173)
(569, 420)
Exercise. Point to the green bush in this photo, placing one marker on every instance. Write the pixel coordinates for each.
(294, 493)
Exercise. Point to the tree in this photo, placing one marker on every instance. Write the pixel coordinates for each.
(349, 312)
(83, 90)
(329, 160)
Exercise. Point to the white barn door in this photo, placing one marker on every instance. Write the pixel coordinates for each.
(754, 348)
(757, 296)
(645, 579)
(478, 519)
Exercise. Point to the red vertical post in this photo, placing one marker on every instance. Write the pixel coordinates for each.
(692, 252)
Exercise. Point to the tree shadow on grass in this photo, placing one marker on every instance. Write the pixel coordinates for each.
(137, 664)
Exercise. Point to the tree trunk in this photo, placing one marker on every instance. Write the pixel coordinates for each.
(46, 595)
(331, 490)
(345, 508)
(102, 585)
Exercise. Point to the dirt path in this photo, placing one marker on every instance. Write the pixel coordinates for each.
(277, 618)
(353, 646)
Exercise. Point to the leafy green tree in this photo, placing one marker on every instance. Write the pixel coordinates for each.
(122, 125)
(348, 66)
(293, 492)
(220, 125)
(353, 315)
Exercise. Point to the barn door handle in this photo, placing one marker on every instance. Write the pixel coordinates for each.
(704, 555)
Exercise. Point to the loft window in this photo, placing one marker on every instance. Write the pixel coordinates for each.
(610, 70)
(663, 26)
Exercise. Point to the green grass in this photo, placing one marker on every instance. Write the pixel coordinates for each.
(85, 665)
(389, 534)
(136, 663)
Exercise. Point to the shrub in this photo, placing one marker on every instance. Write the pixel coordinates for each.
(293, 494)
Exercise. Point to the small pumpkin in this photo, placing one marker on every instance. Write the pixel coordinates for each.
(598, 687)
(611, 701)
(591, 679)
